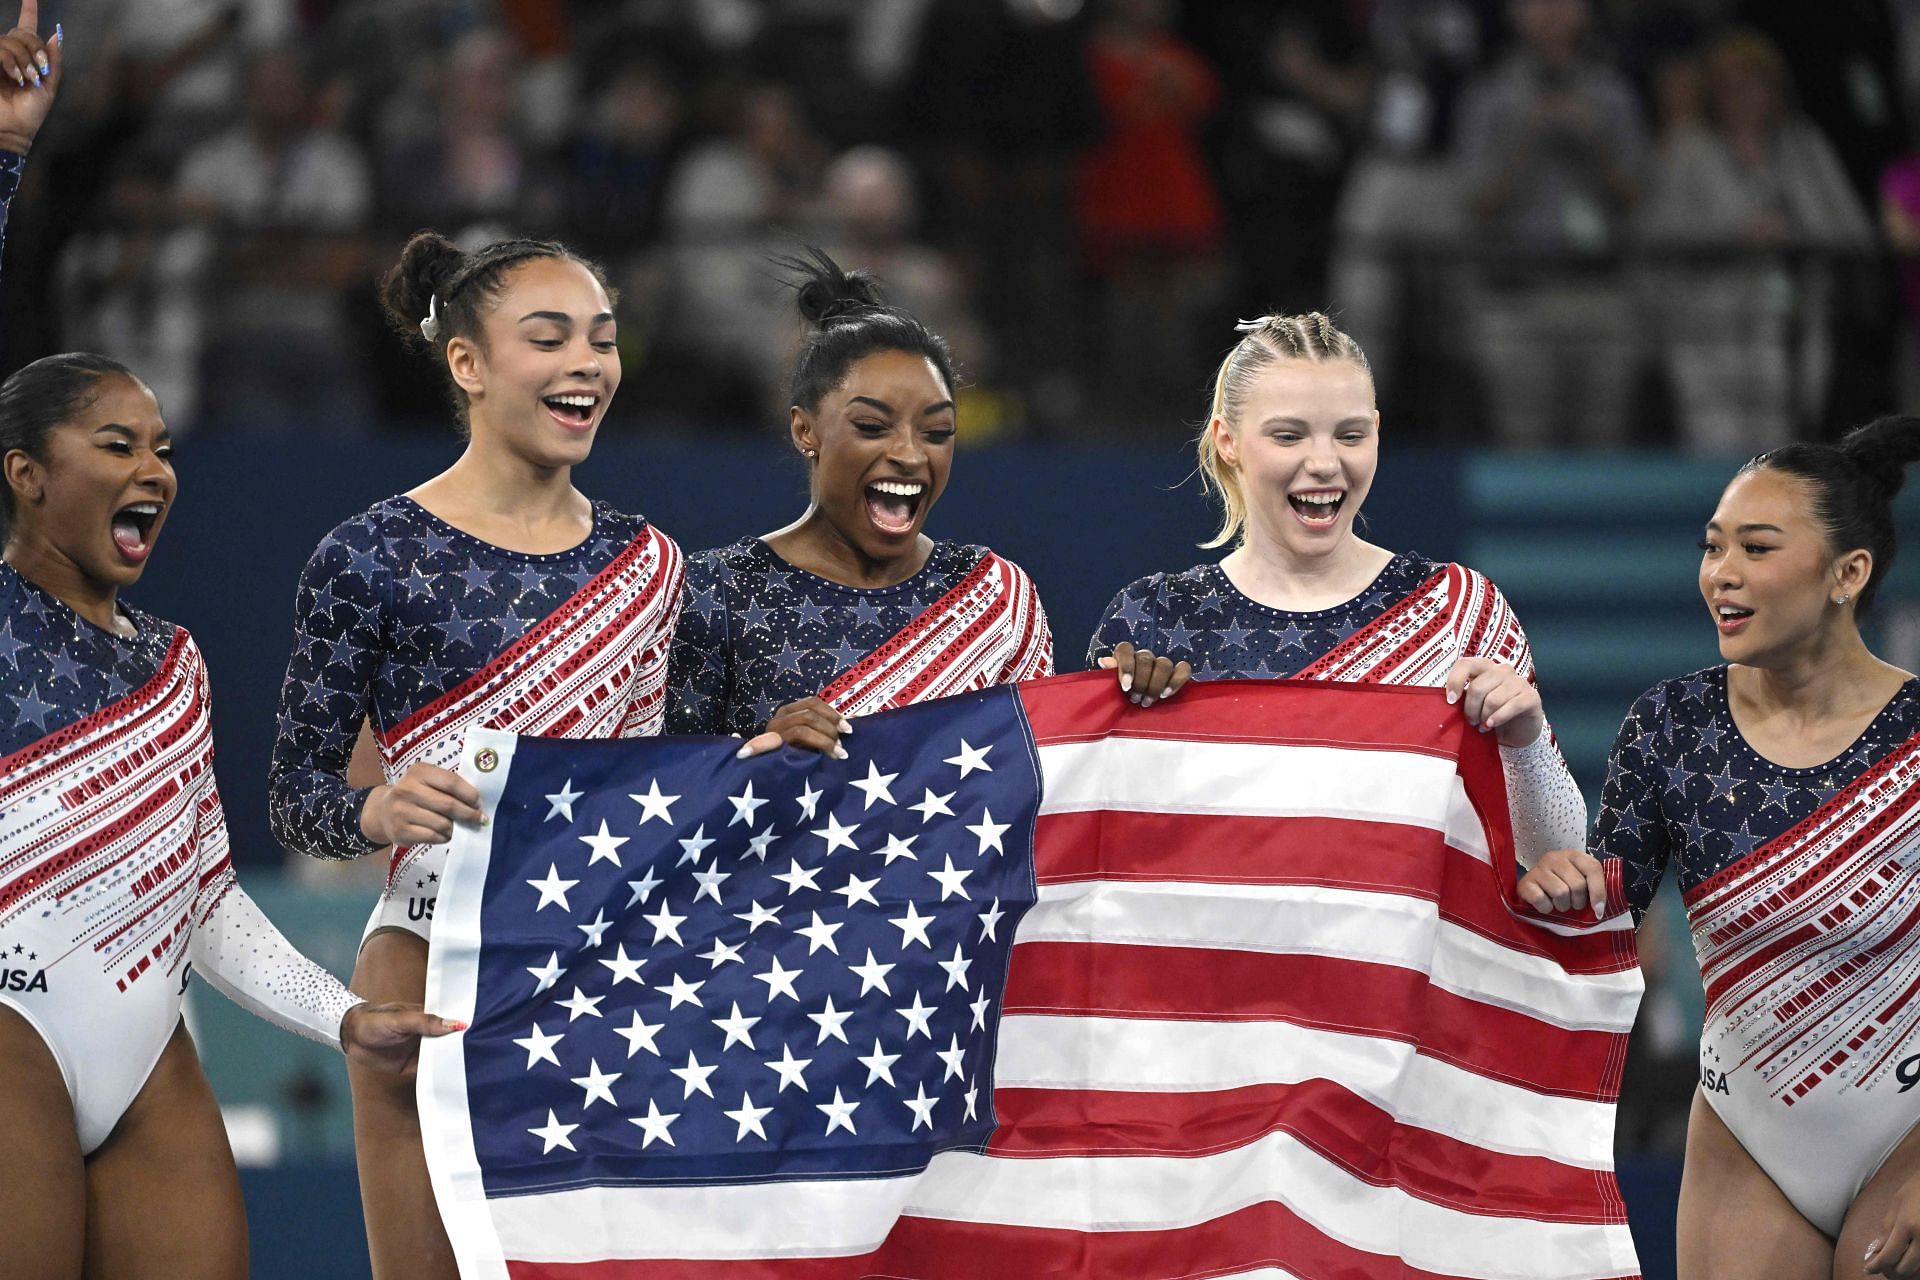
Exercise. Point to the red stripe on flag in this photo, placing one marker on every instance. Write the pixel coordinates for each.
(1414, 862)
(1360, 1137)
(1265, 1234)
(1219, 985)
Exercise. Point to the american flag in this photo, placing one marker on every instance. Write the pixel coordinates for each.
(1033, 983)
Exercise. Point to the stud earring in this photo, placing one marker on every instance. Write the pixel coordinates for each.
(1842, 599)
(812, 454)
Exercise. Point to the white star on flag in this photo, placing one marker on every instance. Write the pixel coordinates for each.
(562, 802)
(582, 1005)
(553, 890)
(639, 1035)
(931, 805)
(597, 1084)
(836, 835)
(970, 758)
(759, 845)
(792, 1070)
(694, 1076)
(739, 1028)
(548, 973)
(721, 953)
(919, 1017)
(624, 969)
(797, 877)
(980, 1007)
(655, 1124)
(643, 887)
(809, 797)
(872, 974)
(839, 1113)
(956, 969)
(605, 845)
(989, 832)
(831, 1022)
(879, 1063)
(779, 981)
(666, 924)
(921, 1106)
(874, 786)
(952, 1055)
(748, 1117)
(693, 846)
(744, 806)
(710, 882)
(914, 925)
(654, 805)
(858, 890)
(819, 934)
(680, 991)
(554, 1134)
(950, 883)
(990, 920)
(596, 930)
(539, 1046)
(897, 849)
(758, 916)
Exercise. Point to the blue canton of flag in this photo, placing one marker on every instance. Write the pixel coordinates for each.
(693, 968)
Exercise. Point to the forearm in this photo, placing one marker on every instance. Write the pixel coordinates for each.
(240, 952)
(1544, 803)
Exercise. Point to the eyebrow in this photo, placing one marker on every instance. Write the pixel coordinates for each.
(884, 407)
(1748, 528)
(121, 428)
(1355, 421)
(561, 317)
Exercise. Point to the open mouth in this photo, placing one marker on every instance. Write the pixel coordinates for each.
(1318, 508)
(573, 410)
(133, 529)
(1730, 617)
(893, 505)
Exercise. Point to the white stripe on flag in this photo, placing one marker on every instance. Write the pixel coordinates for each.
(1135, 1193)
(1350, 924)
(1152, 775)
(1150, 1055)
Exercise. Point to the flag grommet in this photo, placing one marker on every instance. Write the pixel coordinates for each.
(486, 759)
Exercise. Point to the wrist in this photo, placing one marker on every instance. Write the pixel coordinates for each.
(349, 1020)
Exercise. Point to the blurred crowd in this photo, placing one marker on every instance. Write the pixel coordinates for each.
(1550, 222)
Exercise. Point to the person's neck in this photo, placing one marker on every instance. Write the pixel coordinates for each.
(813, 543)
(1266, 571)
(1831, 676)
(502, 490)
(45, 567)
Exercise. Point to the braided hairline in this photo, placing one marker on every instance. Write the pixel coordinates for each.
(501, 254)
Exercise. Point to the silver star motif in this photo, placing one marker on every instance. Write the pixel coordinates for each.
(956, 969)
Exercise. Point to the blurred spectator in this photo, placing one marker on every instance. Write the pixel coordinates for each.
(1551, 147)
(289, 193)
(469, 168)
(869, 215)
(1148, 212)
(1746, 333)
(616, 165)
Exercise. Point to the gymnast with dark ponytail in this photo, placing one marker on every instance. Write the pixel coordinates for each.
(1783, 788)
(450, 606)
(853, 608)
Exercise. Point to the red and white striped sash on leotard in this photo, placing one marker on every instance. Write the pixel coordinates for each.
(1810, 945)
(1455, 613)
(987, 629)
(110, 816)
(596, 667)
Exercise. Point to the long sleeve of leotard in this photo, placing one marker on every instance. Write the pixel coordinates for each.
(11, 164)
(700, 672)
(1131, 617)
(1631, 826)
(342, 598)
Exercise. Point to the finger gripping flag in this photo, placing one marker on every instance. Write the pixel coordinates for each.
(1034, 983)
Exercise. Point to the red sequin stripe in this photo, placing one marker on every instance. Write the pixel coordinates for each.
(27, 767)
(555, 624)
(1329, 665)
(1814, 823)
(897, 647)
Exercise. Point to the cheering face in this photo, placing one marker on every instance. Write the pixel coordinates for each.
(1305, 447)
(885, 440)
(1766, 571)
(103, 490)
(549, 367)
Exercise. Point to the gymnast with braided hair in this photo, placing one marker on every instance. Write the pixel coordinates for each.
(493, 595)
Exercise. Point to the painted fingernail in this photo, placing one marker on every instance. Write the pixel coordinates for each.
(457, 1026)
(59, 34)
(743, 753)
(1452, 697)
(1147, 701)
(40, 60)
(483, 819)
(1126, 681)
(1872, 1249)
(839, 752)
(845, 727)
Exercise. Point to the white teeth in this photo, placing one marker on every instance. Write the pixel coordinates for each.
(580, 402)
(1319, 499)
(143, 509)
(1729, 611)
(898, 488)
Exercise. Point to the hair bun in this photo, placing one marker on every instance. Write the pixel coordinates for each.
(824, 291)
(428, 263)
(1883, 449)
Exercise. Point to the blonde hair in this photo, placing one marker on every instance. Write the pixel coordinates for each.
(1267, 340)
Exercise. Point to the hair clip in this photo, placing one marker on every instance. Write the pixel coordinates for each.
(430, 327)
